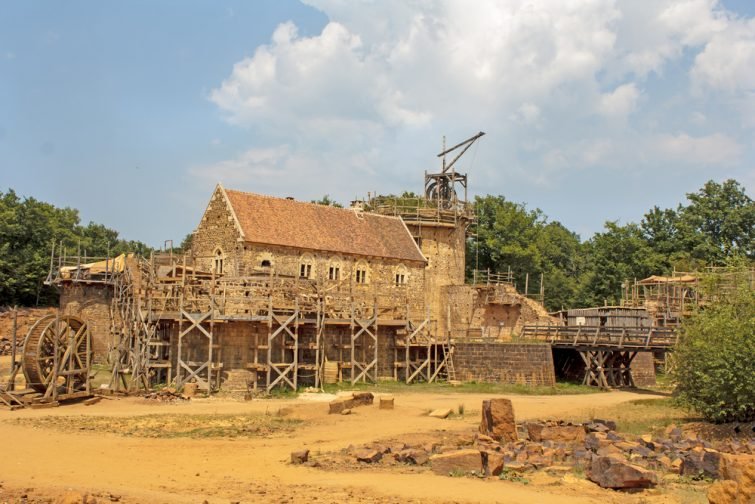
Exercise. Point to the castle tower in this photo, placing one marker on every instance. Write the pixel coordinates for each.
(438, 221)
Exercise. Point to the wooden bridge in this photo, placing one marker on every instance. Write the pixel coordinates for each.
(607, 352)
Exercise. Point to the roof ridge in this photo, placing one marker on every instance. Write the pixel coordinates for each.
(318, 205)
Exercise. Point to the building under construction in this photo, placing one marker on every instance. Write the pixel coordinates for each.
(280, 293)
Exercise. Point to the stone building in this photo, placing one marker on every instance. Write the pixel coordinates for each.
(277, 292)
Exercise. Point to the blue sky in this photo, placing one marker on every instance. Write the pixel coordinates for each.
(595, 111)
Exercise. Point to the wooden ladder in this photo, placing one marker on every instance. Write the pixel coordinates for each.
(449, 358)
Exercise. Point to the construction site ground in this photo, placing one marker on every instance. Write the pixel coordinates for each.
(223, 449)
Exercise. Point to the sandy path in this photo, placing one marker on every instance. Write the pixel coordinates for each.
(223, 470)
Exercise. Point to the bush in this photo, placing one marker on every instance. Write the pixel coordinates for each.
(715, 358)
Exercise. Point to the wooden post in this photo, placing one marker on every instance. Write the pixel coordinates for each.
(12, 381)
(526, 284)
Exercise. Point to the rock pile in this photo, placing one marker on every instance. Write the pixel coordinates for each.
(165, 395)
(610, 459)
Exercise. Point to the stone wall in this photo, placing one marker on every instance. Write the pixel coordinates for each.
(217, 235)
(217, 232)
(494, 312)
(643, 369)
(92, 304)
(444, 248)
(504, 363)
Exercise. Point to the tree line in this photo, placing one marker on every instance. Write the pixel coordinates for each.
(28, 227)
(714, 225)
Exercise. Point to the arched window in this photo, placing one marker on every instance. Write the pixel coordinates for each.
(306, 266)
(361, 273)
(334, 270)
(400, 275)
(265, 263)
(218, 261)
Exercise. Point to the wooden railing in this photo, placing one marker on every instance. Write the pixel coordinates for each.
(661, 338)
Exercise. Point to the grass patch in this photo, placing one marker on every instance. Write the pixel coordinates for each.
(390, 386)
(645, 416)
(170, 425)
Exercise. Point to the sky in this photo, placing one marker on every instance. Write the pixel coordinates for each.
(594, 110)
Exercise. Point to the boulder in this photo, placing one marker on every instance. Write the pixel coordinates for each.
(492, 463)
(614, 472)
(467, 461)
(336, 406)
(440, 413)
(299, 457)
(363, 398)
(498, 420)
(701, 463)
(369, 456)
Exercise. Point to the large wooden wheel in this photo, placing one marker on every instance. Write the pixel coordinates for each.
(68, 338)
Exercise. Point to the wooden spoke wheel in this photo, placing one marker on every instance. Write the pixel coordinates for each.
(70, 336)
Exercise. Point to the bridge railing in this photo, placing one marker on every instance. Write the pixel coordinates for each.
(601, 336)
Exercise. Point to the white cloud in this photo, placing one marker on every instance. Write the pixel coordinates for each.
(552, 82)
(619, 103)
(727, 62)
(715, 149)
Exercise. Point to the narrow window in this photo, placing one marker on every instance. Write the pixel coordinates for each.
(334, 273)
(400, 279)
(218, 262)
(305, 270)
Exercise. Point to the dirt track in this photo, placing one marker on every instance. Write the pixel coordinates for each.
(257, 469)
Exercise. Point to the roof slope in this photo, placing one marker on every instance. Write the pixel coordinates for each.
(288, 223)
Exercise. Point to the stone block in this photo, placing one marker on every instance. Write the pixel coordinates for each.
(498, 420)
(369, 456)
(467, 461)
(299, 457)
(563, 433)
(614, 472)
(386, 402)
(440, 413)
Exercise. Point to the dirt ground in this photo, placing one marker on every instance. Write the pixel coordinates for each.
(43, 453)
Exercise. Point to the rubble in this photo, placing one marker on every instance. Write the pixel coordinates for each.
(165, 395)
(612, 460)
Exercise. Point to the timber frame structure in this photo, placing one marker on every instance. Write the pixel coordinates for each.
(167, 318)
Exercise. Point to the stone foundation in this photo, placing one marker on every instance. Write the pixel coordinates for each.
(504, 363)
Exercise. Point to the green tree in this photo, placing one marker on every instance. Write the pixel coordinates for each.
(714, 361)
(28, 228)
(508, 235)
(327, 201)
(615, 255)
(718, 223)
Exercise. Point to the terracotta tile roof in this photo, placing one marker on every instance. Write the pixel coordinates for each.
(289, 223)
